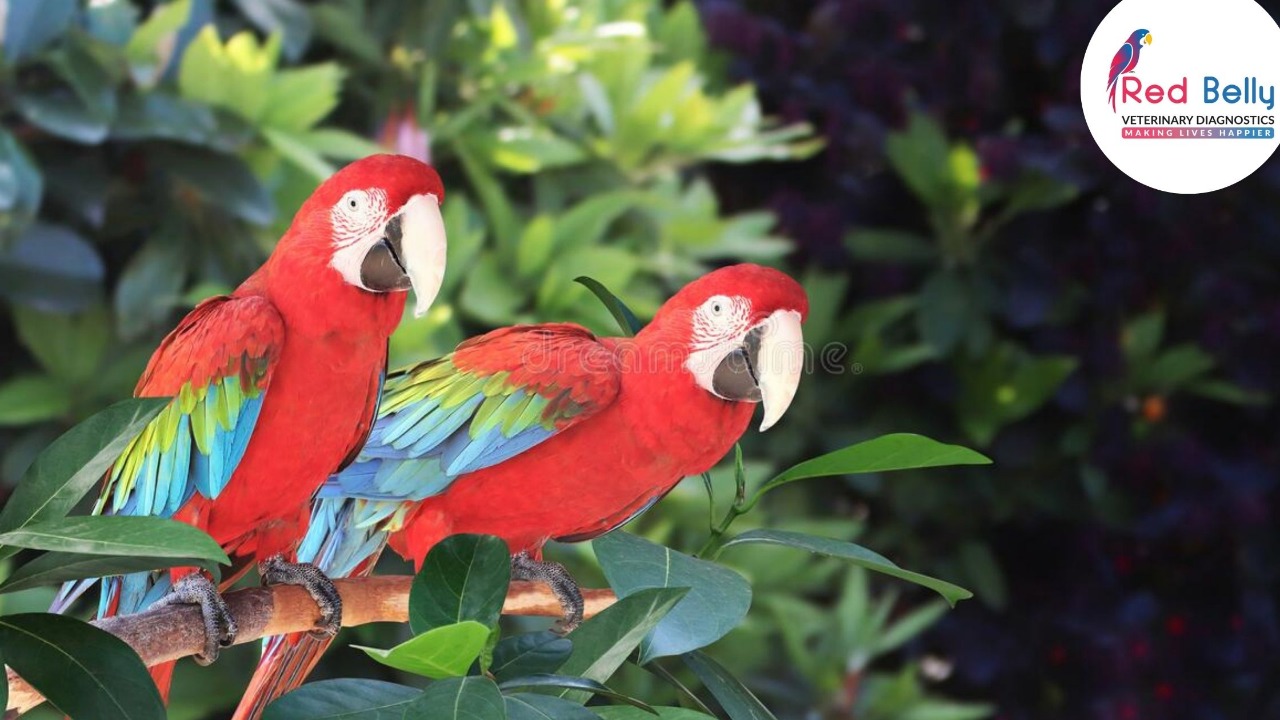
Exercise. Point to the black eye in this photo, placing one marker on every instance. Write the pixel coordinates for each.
(352, 202)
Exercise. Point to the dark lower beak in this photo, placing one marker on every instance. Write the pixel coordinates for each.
(766, 367)
(382, 269)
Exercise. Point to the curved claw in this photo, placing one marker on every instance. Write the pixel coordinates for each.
(561, 583)
(277, 571)
(219, 626)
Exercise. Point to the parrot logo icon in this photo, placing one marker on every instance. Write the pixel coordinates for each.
(1125, 61)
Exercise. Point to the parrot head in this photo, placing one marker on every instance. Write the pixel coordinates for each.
(375, 226)
(1141, 37)
(743, 339)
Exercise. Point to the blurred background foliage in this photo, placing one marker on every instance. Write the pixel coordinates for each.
(923, 166)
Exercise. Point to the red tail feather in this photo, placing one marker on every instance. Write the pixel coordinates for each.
(282, 668)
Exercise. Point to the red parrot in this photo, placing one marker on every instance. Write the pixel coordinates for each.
(295, 356)
(547, 432)
(1125, 61)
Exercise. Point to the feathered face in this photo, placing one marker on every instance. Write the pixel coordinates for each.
(379, 220)
(1140, 37)
(744, 338)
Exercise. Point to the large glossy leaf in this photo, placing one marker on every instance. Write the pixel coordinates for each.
(51, 267)
(738, 702)
(602, 644)
(347, 699)
(55, 567)
(568, 682)
(442, 652)
(219, 179)
(466, 698)
(899, 451)
(31, 24)
(717, 601)
(75, 462)
(528, 706)
(82, 671)
(117, 535)
(851, 552)
(627, 320)
(464, 577)
(150, 287)
(529, 654)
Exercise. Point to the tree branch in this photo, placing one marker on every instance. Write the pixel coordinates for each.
(176, 631)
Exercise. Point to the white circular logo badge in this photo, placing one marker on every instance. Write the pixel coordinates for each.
(1189, 99)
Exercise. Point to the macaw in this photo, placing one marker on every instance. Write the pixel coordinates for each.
(1125, 61)
(542, 432)
(275, 387)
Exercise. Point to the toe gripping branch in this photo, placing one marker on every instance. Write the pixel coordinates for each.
(219, 626)
(558, 579)
(277, 571)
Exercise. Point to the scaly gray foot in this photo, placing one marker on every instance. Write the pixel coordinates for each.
(277, 571)
(561, 583)
(219, 627)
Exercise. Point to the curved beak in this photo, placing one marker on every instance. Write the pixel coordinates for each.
(1147, 39)
(766, 367)
(411, 253)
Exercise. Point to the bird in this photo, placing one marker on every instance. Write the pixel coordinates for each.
(1126, 61)
(548, 432)
(274, 388)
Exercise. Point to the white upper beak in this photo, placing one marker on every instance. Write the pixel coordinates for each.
(779, 364)
(423, 248)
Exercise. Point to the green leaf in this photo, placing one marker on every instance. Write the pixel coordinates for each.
(856, 554)
(53, 268)
(897, 451)
(528, 706)
(55, 567)
(339, 144)
(1175, 368)
(1007, 385)
(117, 535)
(627, 320)
(445, 651)
(464, 577)
(28, 399)
(983, 569)
(149, 288)
(948, 308)
(529, 149)
(69, 347)
(738, 702)
(464, 698)
(920, 156)
(717, 601)
(1227, 392)
(302, 97)
(82, 671)
(74, 463)
(622, 712)
(346, 699)
(159, 116)
(1142, 336)
(1037, 191)
(59, 112)
(568, 682)
(529, 654)
(889, 246)
(151, 48)
(29, 25)
(602, 644)
(909, 626)
(21, 189)
(299, 153)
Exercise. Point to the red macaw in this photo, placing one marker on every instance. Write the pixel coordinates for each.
(275, 388)
(542, 432)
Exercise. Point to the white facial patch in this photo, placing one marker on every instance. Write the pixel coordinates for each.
(719, 325)
(358, 219)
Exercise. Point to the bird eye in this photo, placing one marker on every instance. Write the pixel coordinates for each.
(354, 201)
(717, 306)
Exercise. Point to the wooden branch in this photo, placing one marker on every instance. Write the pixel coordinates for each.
(176, 631)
